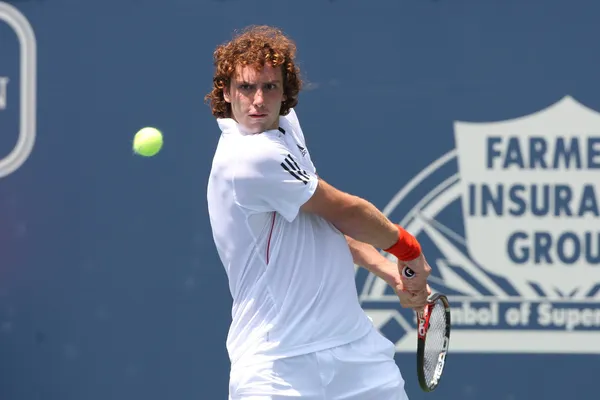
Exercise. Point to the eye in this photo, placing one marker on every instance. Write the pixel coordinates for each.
(270, 86)
(244, 86)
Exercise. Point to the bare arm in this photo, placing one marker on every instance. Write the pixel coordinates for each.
(353, 216)
(369, 258)
(362, 221)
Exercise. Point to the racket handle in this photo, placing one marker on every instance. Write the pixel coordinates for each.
(408, 273)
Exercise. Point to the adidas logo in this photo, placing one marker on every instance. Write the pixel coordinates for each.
(302, 150)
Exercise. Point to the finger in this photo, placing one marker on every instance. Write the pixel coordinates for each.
(419, 307)
(414, 286)
(406, 301)
(420, 299)
(414, 300)
(419, 304)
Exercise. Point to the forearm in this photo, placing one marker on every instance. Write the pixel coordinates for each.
(369, 258)
(359, 219)
(363, 222)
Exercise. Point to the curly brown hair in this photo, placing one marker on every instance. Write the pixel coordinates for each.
(256, 46)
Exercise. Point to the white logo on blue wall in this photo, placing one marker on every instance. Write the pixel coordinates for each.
(3, 92)
(27, 87)
(509, 221)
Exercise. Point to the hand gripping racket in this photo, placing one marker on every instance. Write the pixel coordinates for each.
(433, 339)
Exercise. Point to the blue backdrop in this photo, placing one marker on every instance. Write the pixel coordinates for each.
(110, 285)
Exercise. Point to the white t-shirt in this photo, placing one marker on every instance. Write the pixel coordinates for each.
(291, 274)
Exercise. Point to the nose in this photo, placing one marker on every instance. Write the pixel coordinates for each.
(258, 98)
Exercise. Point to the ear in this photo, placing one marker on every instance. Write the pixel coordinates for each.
(226, 94)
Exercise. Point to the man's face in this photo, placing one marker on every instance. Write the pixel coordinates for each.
(256, 97)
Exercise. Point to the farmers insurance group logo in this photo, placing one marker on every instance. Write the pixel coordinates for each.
(23, 111)
(509, 221)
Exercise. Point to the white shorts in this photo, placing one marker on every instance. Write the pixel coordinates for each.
(361, 370)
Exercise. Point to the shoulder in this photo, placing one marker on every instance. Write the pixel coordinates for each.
(292, 117)
(290, 121)
(260, 152)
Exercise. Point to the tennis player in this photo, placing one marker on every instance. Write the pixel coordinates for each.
(288, 241)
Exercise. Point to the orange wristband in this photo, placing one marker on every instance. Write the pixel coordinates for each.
(407, 248)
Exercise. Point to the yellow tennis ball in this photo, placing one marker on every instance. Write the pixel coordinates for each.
(147, 141)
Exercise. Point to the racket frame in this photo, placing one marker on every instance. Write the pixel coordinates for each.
(423, 317)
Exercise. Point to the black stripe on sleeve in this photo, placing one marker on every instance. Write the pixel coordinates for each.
(289, 159)
(293, 169)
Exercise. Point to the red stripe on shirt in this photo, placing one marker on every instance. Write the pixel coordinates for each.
(270, 234)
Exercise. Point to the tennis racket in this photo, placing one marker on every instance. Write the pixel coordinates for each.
(433, 339)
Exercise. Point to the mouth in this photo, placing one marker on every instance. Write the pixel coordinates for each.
(257, 116)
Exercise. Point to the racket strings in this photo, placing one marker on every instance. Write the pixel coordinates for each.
(434, 343)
